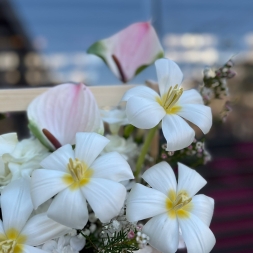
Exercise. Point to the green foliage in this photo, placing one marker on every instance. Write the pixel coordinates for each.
(193, 156)
(118, 243)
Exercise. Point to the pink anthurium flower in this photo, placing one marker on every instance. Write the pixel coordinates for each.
(129, 51)
(58, 114)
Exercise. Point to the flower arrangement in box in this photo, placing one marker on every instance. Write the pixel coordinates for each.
(72, 186)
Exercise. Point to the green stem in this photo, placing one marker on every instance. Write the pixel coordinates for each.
(144, 151)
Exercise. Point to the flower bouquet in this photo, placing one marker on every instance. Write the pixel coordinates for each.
(77, 185)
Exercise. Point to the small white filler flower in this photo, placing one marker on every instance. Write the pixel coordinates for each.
(18, 233)
(172, 207)
(145, 108)
(78, 176)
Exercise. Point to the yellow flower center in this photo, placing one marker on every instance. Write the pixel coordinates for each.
(7, 246)
(79, 175)
(179, 205)
(169, 99)
(12, 242)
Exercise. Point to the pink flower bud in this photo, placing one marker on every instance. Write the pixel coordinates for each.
(129, 51)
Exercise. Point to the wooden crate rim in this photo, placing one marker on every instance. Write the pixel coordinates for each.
(14, 100)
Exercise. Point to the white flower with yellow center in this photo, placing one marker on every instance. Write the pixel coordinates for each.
(173, 207)
(18, 233)
(77, 176)
(145, 108)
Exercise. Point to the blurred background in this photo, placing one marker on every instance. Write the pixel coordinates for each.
(44, 42)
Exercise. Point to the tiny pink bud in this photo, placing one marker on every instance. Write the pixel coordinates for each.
(131, 234)
(231, 74)
(163, 156)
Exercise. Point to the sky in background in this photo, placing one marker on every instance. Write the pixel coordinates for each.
(194, 33)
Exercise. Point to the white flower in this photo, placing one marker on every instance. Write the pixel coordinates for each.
(173, 207)
(64, 244)
(7, 145)
(78, 176)
(145, 108)
(18, 233)
(115, 117)
(127, 148)
(23, 159)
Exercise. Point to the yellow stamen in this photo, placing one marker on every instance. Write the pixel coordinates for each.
(179, 205)
(80, 174)
(169, 99)
(12, 242)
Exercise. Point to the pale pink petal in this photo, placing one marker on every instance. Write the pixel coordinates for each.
(200, 115)
(105, 197)
(189, 180)
(161, 177)
(112, 166)
(129, 51)
(197, 235)
(64, 110)
(163, 233)
(144, 113)
(40, 229)
(69, 208)
(16, 204)
(168, 74)
(177, 132)
(144, 202)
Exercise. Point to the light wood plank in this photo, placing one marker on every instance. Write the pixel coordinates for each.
(14, 100)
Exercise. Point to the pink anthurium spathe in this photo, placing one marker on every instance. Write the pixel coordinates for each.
(129, 51)
(58, 114)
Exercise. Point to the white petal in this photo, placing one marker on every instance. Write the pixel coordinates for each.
(140, 91)
(89, 146)
(40, 229)
(197, 236)
(191, 96)
(168, 74)
(69, 208)
(2, 233)
(144, 113)
(77, 243)
(45, 184)
(59, 159)
(49, 246)
(163, 233)
(105, 197)
(189, 180)
(112, 166)
(30, 249)
(161, 177)
(203, 207)
(177, 132)
(16, 204)
(8, 142)
(144, 202)
(200, 115)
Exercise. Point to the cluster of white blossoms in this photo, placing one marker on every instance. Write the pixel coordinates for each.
(84, 166)
(19, 159)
